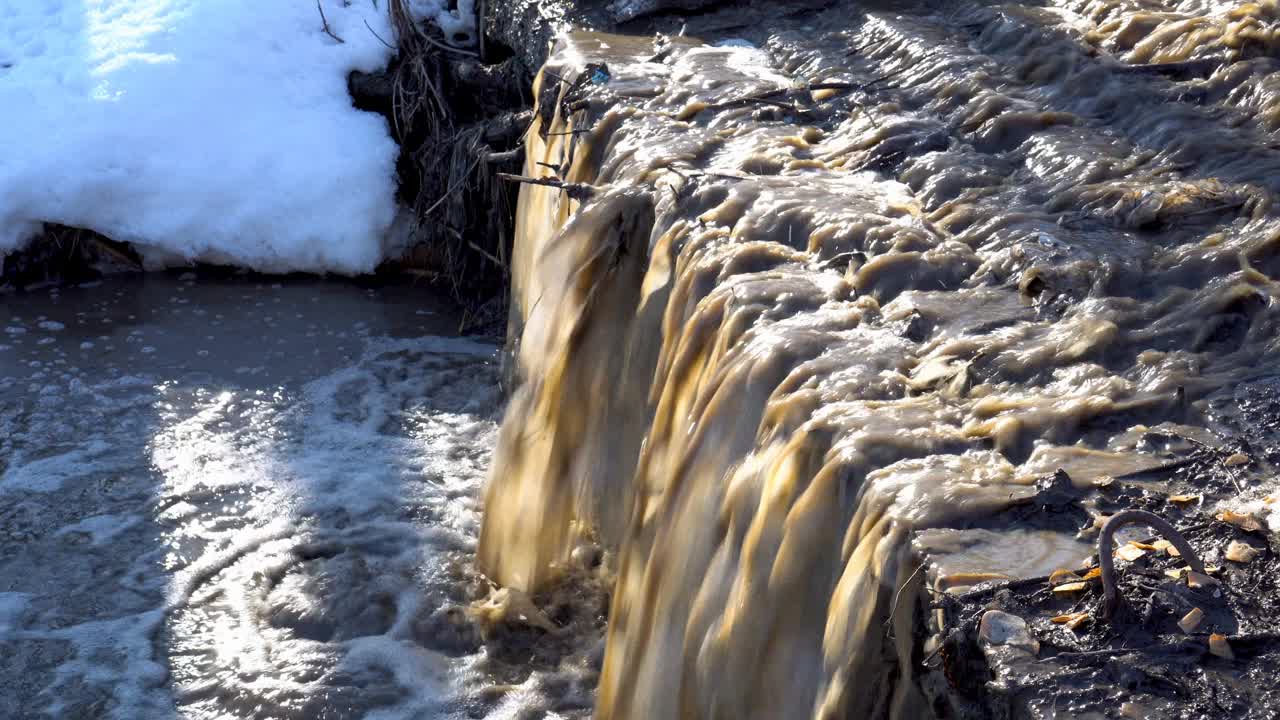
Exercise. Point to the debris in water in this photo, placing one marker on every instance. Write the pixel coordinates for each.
(1184, 499)
(506, 606)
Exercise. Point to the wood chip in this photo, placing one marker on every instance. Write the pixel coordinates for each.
(1199, 580)
(1191, 620)
(1145, 546)
(1071, 587)
(1071, 620)
(1092, 574)
(1130, 552)
(1244, 521)
(1237, 459)
(1240, 553)
(1184, 499)
(1058, 577)
(1218, 646)
(1178, 573)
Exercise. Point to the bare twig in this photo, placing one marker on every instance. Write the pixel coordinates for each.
(449, 48)
(576, 191)
(325, 22)
(452, 188)
(506, 156)
(375, 34)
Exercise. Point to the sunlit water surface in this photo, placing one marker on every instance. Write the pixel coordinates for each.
(236, 499)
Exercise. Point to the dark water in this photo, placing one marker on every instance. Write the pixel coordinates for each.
(237, 498)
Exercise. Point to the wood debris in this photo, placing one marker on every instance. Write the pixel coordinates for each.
(1191, 620)
(1071, 587)
(1237, 459)
(1130, 552)
(1060, 576)
(1071, 620)
(1244, 521)
(1197, 580)
(1218, 646)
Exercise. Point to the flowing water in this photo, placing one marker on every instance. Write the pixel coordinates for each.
(825, 304)
(234, 498)
(872, 272)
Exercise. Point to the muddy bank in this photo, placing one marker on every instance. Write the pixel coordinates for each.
(803, 319)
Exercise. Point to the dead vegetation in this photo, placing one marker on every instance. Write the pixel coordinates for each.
(452, 145)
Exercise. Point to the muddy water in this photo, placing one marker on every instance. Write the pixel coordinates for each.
(876, 275)
(236, 498)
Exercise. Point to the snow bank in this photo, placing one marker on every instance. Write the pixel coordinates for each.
(218, 130)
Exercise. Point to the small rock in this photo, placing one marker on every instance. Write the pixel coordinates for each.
(1000, 628)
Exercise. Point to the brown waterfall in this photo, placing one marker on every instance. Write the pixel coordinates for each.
(880, 276)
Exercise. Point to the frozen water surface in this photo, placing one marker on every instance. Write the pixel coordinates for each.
(231, 499)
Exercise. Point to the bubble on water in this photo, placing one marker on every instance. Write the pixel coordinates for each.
(15, 330)
(52, 325)
(45, 341)
(86, 345)
(148, 349)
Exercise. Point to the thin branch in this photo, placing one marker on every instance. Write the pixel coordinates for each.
(325, 21)
(375, 34)
(576, 191)
(449, 48)
(447, 193)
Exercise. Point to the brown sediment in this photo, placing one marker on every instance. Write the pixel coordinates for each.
(789, 331)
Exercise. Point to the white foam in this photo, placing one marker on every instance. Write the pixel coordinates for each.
(101, 528)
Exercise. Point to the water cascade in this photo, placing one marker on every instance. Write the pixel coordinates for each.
(778, 310)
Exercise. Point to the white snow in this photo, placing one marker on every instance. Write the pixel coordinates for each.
(217, 130)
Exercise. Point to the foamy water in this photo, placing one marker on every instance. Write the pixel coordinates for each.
(238, 499)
